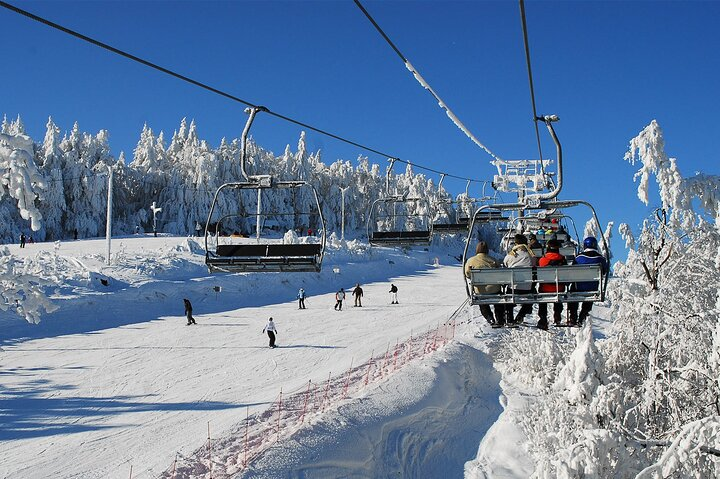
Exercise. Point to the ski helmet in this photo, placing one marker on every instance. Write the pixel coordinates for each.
(590, 242)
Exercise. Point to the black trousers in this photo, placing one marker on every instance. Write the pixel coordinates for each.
(301, 303)
(271, 335)
(499, 313)
(584, 311)
(557, 311)
(190, 319)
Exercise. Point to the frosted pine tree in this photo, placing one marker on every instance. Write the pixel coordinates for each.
(52, 200)
(22, 181)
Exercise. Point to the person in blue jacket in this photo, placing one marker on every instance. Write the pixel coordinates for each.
(590, 255)
(301, 299)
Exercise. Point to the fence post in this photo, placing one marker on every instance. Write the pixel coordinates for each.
(382, 370)
(327, 386)
(370, 363)
(209, 450)
(347, 379)
(247, 426)
(395, 354)
(279, 414)
(130, 471)
(307, 393)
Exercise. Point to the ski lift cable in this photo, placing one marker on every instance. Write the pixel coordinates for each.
(204, 86)
(530, 79)
(427, 86)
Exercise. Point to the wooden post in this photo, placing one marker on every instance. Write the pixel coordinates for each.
(307, 393)
(367, 376)
(247, 426)
(279, 414)
(209, 450)
(347, 379)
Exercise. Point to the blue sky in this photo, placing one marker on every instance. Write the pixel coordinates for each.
(606, 68)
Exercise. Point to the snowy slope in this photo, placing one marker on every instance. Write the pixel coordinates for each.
(114, 378)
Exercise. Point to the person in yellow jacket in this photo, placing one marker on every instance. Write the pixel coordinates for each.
(483, 260)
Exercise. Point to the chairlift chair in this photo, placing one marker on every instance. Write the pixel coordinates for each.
(562, 276)
(235, 254)
(382, 225)
(397, 236)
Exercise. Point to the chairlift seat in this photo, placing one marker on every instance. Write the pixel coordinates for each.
(559, 275)
(403, 238)
(266, 258)
(450, 227)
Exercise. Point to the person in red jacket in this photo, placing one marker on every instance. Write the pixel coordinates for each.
(551, 258)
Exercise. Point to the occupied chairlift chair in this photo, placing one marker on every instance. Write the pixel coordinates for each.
(561, 276)
(397, 236)
(531, 223)
(231, 255)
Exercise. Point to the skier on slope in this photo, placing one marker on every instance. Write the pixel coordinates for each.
(188, 312)
(357, 294)
(271, 332)
(339, 298)
(301, 299)
(393, 294)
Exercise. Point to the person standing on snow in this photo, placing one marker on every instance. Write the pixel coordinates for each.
(357, 294)
(188, 312)
(301, 299)
(393, 294)
(271, 332)
(339, 298)
(22, 240)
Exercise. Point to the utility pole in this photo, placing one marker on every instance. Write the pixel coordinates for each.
(108, 227)
(342, 225)
(155, 211)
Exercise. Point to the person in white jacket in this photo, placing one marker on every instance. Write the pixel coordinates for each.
(519, 256)
(271, 331)
(339, 298)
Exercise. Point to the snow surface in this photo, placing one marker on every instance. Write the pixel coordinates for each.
(114, 380)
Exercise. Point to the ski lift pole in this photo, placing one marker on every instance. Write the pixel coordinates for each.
(257, 217)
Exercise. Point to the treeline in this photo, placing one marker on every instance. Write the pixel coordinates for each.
(59, 186)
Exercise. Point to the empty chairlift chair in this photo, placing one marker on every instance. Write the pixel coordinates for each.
(266, 251)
